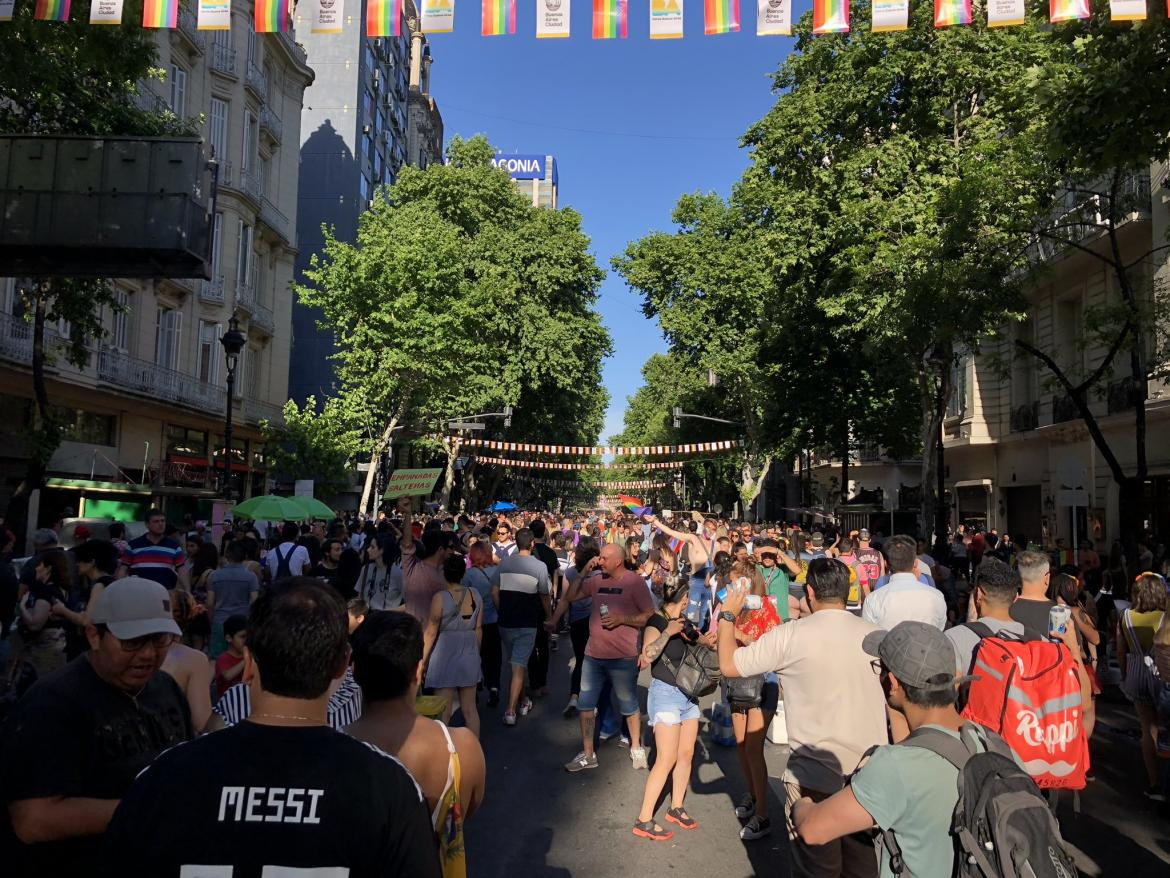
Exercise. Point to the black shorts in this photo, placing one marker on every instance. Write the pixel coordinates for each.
(770, 697)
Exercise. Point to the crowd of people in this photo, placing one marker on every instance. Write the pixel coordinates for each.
(295, 662)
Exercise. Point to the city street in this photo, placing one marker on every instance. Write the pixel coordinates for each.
(540, 822)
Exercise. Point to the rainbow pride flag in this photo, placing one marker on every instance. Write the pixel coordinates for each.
(720, 16)
(498, 18)
(951, 12)
(610, 19)
(160, 13)
(51, 10)
(271, 16)
(1069, 10)
(832, 16)
(384, 18)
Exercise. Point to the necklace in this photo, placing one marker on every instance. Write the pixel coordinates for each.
(307, 719)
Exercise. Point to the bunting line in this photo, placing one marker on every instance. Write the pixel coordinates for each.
(549, 464)
(639, 484)
(594, 450)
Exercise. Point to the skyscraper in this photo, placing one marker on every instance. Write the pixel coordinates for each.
(534, 175)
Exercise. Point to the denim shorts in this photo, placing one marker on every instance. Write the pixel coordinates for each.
(667, 705)
(623, 677)
(517, 644)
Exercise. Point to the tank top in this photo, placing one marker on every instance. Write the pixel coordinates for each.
(448, 817)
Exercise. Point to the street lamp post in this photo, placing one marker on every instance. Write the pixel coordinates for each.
(233, 342)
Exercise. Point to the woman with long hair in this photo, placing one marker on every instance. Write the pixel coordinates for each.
(41, 624)
(479, 576)
(1067, 590)
(1136, 627)
(451, 643)
(661, 565)
(377, 585)
(204, 562)
(673, 715)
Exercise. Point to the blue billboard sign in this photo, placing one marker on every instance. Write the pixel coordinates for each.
(521, 167)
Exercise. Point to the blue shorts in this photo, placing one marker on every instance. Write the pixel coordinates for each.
(517, 645)
(668, 706)
(623, 677)
(699, 601)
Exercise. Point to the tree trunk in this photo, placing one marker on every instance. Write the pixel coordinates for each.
(752, 481)
(468, 499)
(376, 461)
(452, 448)
(493, 485)
(934, 389)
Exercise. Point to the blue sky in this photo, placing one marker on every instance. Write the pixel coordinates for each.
(689, 101)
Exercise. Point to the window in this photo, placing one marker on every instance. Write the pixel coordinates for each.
(222, 39)
(364, 191)
(208, 363)
(166, 345)
(186, 441)
(248, 159)
(218, 126)
(178, 91)
(243, 256)
(1068, 335)
(243, 364)
(253, 46)
(1023, 368)
(78, 425)
(253, 376)
(217, 248)
(119, 329)
(265, 174)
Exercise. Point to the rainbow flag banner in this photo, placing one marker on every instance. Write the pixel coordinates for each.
(271, 16)
(51, 10)
(832, 16)
(720, 16)
(437, 16)
(773, 18)
(1129, 10)
(666, 19)
(610, 19)
(552, 19)
(1004, 13)
(890, 15)
(498, 17)
(384, 18)
(951, 12)
(1067, 10)
(160, 13)
(6, 7)
(105, 12)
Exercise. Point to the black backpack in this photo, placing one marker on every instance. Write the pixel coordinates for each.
(697, 673)
(1002, 826)
(283, 571)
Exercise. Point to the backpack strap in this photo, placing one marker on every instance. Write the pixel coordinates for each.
(980, 629)
(953, 750)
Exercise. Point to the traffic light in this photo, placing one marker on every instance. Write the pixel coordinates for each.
(507, 416)
(677, 412)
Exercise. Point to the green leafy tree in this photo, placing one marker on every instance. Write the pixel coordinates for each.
(313, 444)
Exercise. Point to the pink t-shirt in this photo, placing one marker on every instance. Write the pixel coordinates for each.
(421, 581)
(624, 595)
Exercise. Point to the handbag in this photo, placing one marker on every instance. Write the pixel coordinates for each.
(744, 693)
(697, 674)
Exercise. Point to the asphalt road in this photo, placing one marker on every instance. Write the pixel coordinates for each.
(538, 821)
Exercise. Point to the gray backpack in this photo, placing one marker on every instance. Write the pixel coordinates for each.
(1002, 826)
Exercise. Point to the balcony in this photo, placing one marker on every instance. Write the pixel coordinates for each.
(223, 61)
(1082, 212)
(245, 298)
(132, 375)
(1064, 409)
(251, 186)
(256, 410)
(255, 79)
(16, 339)
(188, 30)
(261, 319)
(271, 216)
(1025, 417)
(212, 291)
(149, 102)
(270, 124)
(294, 48)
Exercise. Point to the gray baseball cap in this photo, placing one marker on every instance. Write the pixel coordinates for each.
(863, 534)
(134, 607)
(45, 536)
(818, 539)
(918, 654)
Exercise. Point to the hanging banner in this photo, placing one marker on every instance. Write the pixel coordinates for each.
(666, 20)
(160, 13)
(1067, 10)
(610, 19)
(948, 13)
(552, 19)
(1129, 10)
(327, 17)
(1005, 13)
(271, 16)
(832, 16)
(437, 16)
(773, 18)
(6, 7)
(890, 15)
(105, 12)
(214, 15)
(497, 17)
(51, 10)
(384, 18)
(720, 16)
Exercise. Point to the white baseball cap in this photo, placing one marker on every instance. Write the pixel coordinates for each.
(134, 607)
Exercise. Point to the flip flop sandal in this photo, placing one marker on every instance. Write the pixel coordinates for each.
(652, 831)
(682, 818)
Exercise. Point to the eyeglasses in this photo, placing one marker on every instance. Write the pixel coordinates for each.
(504, 532)
(135, 644)
(878, 667)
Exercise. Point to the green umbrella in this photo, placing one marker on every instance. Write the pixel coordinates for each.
(271, 508)
(314, 508)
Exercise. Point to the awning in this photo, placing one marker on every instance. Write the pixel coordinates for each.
(93, 487)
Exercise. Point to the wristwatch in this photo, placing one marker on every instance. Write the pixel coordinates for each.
(727, 617)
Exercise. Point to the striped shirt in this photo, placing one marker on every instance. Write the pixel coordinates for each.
(159, 561)
(345, 705)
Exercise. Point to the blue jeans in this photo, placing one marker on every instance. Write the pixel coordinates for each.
(621, 673)
(699, 602)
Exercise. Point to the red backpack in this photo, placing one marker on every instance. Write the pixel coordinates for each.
(1029, 693)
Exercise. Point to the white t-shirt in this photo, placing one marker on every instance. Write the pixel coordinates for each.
(298, 559)
(905, 599)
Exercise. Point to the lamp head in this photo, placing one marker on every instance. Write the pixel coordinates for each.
(233, 341)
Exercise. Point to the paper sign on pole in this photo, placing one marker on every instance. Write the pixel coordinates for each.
(6, 7)
(437, 16)
(327, 17)
(552, 18)
(1005, 13)
(666, 20)
(411, 483)
(773, 18)
(890, 15)
(215, 15)
(105, 12)
(1127, 10)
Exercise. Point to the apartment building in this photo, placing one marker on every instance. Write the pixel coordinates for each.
(145, 418)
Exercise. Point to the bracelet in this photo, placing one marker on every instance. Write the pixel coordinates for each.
(725, 616)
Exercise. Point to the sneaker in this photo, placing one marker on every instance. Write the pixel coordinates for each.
(570, 708)
(746, 807)
(509, 718)
(652, 831)
(1155, 794)
(580, 762)
(638, 757)
(755, 828)
(525, 707)
(624, 741)
(493, 698)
